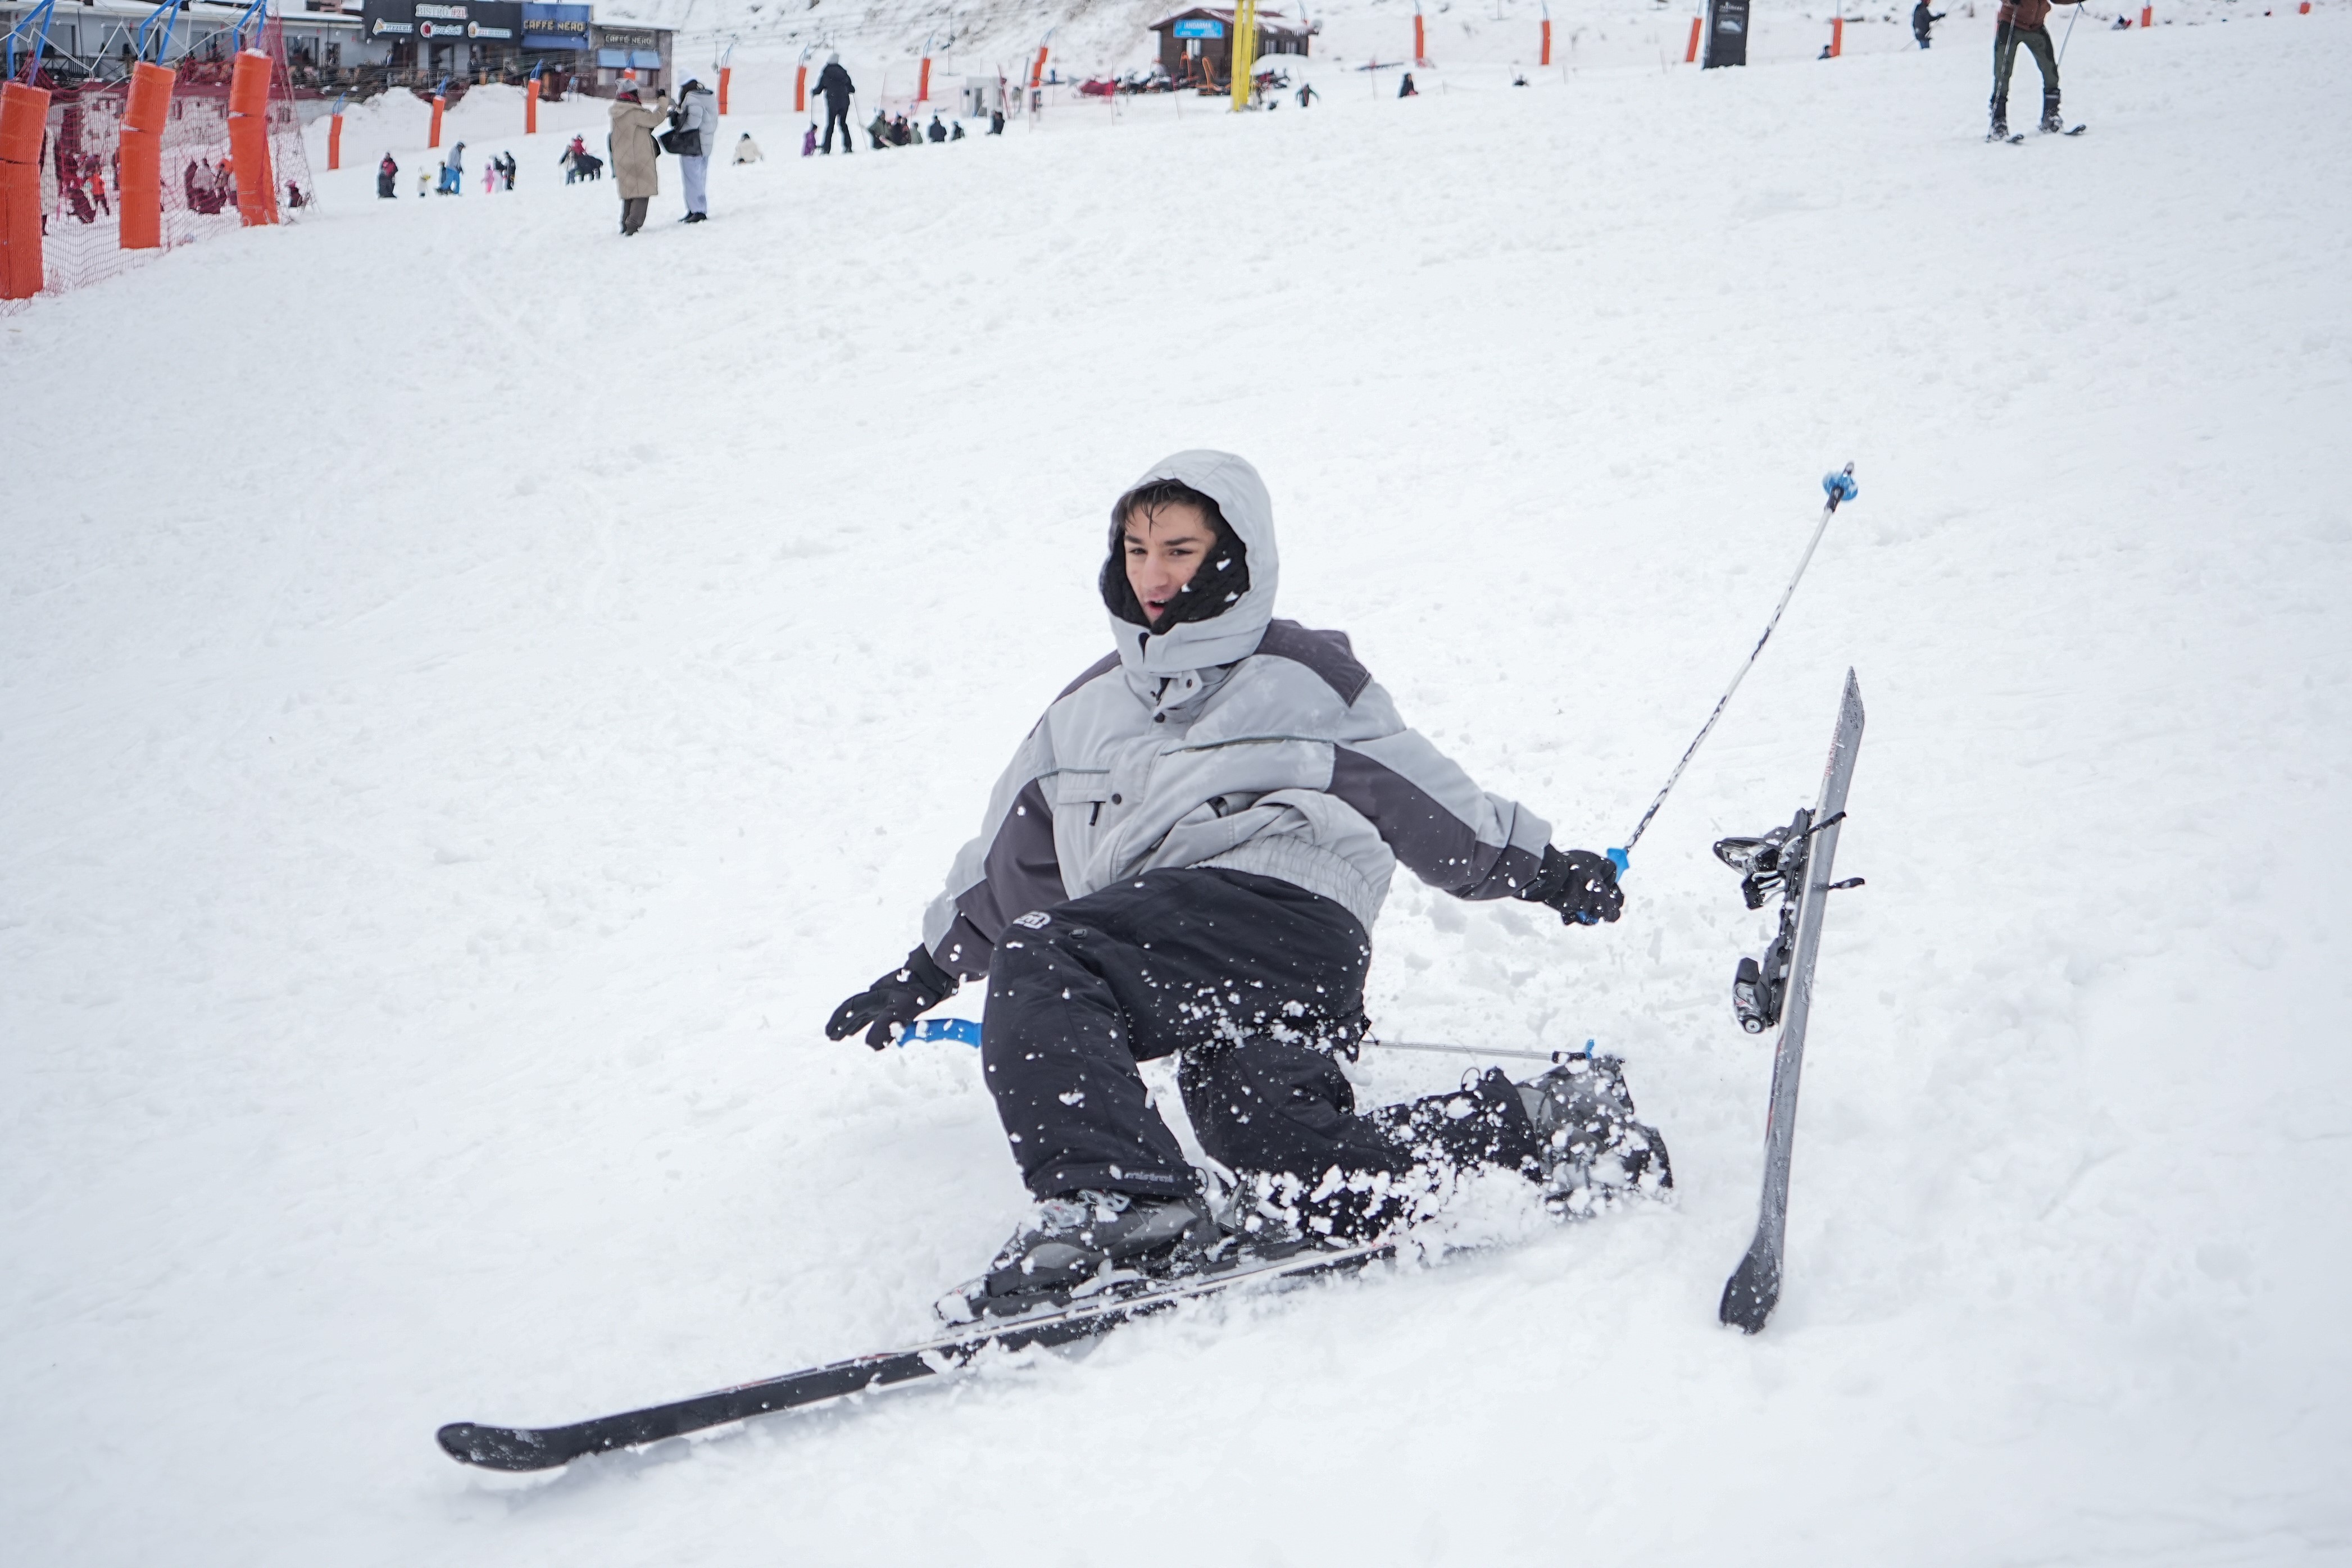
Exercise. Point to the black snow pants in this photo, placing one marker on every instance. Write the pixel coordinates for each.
(2036, 40)
(1256, 982)
(838, 114)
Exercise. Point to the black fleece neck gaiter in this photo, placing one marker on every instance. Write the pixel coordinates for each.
(1217, 587)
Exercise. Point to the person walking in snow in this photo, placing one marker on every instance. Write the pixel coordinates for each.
(634, 154)
(1306, 94)
(2021, 22)
(1923, 21)
(746, 150)
(385, 173)
(832, 85)
(698, 133)
(1186, 858)
(453, 171)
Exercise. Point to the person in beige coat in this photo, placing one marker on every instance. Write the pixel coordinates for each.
(634, 154)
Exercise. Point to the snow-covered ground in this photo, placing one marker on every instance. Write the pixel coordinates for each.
(475, 693)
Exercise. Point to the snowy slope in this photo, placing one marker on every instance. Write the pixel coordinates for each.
(458, 740)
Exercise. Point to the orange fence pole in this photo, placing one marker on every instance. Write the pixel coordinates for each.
(145, 112)
(530, 107)
(2148, 16)
(1837, 36)
(923, 82)
(800, 90)
(439, 103)
(334, 143)
(248, 137)
(1037, 68)
(1691, 53)
(1546, 42)
(1420, 50)
(24, 122)
(726, 78)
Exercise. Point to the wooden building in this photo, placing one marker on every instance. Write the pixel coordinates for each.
(1197, 44)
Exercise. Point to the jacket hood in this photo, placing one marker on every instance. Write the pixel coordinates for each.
(1240, 495)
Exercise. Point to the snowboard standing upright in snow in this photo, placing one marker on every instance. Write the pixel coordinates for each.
(1186, 857)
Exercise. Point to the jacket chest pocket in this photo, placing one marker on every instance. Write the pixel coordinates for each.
(1082, 816)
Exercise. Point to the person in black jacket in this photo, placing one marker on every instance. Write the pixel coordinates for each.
(834, 85)
(1923, 21)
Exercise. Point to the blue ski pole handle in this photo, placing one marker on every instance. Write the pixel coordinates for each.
(1622, 860)
(1840, 486)
(964, 1030)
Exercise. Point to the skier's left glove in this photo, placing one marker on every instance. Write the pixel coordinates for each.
(893, 1002)
(1578, 883)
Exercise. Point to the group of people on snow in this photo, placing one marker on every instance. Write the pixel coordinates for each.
(834, 88)
(691, 138)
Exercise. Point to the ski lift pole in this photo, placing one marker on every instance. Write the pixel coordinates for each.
(1840, 486)
(255, 14)
(167, 12)
(1244, 62)
(41, 14)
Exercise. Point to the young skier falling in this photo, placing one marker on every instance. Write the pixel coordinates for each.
(1186, 856)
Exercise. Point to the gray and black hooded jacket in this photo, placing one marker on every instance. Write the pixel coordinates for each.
(1238, 741)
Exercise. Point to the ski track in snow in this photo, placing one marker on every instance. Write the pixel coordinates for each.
(474, 694)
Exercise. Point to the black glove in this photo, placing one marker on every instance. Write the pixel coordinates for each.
(894, 1000)
(1578, 883)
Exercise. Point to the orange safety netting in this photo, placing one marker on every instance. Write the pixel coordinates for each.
(81, 166)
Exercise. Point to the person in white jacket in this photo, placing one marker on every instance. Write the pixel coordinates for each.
(747, 151)
(1186, 857)
(696, 123)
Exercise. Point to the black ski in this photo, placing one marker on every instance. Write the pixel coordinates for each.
(1797, 861)
(546, 1448)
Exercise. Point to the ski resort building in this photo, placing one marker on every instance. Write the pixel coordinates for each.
(1197, 44)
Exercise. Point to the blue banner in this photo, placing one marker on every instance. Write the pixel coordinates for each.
(555, 26)
(1200, 27)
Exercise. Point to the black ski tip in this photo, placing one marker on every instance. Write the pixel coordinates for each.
(1751, 1293)
(499, 1447)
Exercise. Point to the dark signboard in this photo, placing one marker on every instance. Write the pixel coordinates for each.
(446, 21)
(555, 26)
(1727, 33)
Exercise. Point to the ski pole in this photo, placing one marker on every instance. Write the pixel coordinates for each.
(966, 1032)
(1841, 488)
(2075, 16)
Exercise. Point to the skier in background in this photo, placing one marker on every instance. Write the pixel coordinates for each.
(385, 173)
(832, 84)
(938, 133)
(746, 150)
(1923, 21)
(631, 144)
(1306, 94)
(2021, 22)
(1186, 858)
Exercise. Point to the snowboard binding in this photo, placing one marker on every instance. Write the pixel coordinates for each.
(1774, 862)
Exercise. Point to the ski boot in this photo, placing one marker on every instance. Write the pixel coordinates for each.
(2052, 124)
(1594, 1151)
(1070, 1244)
